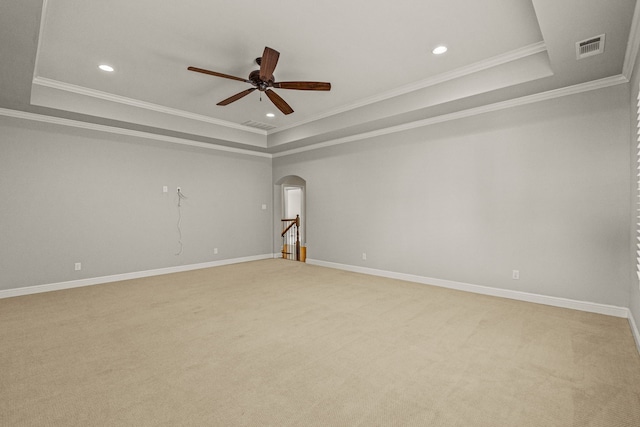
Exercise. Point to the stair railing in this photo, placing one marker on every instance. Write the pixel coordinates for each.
(291, 238)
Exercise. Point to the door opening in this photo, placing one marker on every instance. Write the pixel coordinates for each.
(290, 199)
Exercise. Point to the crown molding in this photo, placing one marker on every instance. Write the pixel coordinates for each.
(80, 90)
(431, 81)
(122, 131)
(43, 19)
(83, 91)
(543, 96)
(492, 62)
(529, 99)
(633, 44)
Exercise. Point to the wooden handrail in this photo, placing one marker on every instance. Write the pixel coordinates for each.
(288, 228)
(296, 223)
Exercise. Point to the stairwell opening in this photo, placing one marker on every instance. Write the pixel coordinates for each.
(290, 194)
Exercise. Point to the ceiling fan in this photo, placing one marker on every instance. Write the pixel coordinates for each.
(263, 80)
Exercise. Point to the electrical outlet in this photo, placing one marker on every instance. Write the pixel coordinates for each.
(515, 274)
(165, 189)
(264, 207)
(364, 256)
(215, 251)
(78, 266)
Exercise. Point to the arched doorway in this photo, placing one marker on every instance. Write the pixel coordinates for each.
(290, 200)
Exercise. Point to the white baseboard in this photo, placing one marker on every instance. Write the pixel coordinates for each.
(610, 310)
(28, 290)
(634, 330)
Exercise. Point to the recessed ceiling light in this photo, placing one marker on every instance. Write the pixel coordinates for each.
(439, 50)
(105, 67)
(270, 115)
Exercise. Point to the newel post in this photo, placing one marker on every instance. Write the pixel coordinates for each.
(297, 237)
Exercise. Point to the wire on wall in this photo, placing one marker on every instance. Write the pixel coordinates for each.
(180, 197)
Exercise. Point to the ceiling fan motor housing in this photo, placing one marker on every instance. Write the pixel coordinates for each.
(257, 82)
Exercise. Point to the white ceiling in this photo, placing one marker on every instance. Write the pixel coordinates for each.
(376, 54)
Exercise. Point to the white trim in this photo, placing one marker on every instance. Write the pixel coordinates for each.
(431, 81)
(543, 96)
(495, 61)
(122, 131)
(529, 99)
(29, 290)
(633, 44)
(591, 307)
(80, 90)
(43, 19)
(634, 330)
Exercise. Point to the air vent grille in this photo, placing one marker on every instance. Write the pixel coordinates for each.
(258, 125)
(590, 47)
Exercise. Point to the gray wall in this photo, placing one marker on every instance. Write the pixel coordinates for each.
(542, 188)
(72, 195)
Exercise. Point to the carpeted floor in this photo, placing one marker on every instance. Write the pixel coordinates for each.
(280, 343)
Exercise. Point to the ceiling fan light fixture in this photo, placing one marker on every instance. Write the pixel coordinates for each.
(439, 50)
(105, 67)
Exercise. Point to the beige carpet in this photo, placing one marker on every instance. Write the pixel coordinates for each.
(280, 343)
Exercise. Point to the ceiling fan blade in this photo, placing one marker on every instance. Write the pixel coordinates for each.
(213, 73)
(303, 85)
(279, 102)
(268, 63)
(236, 97)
